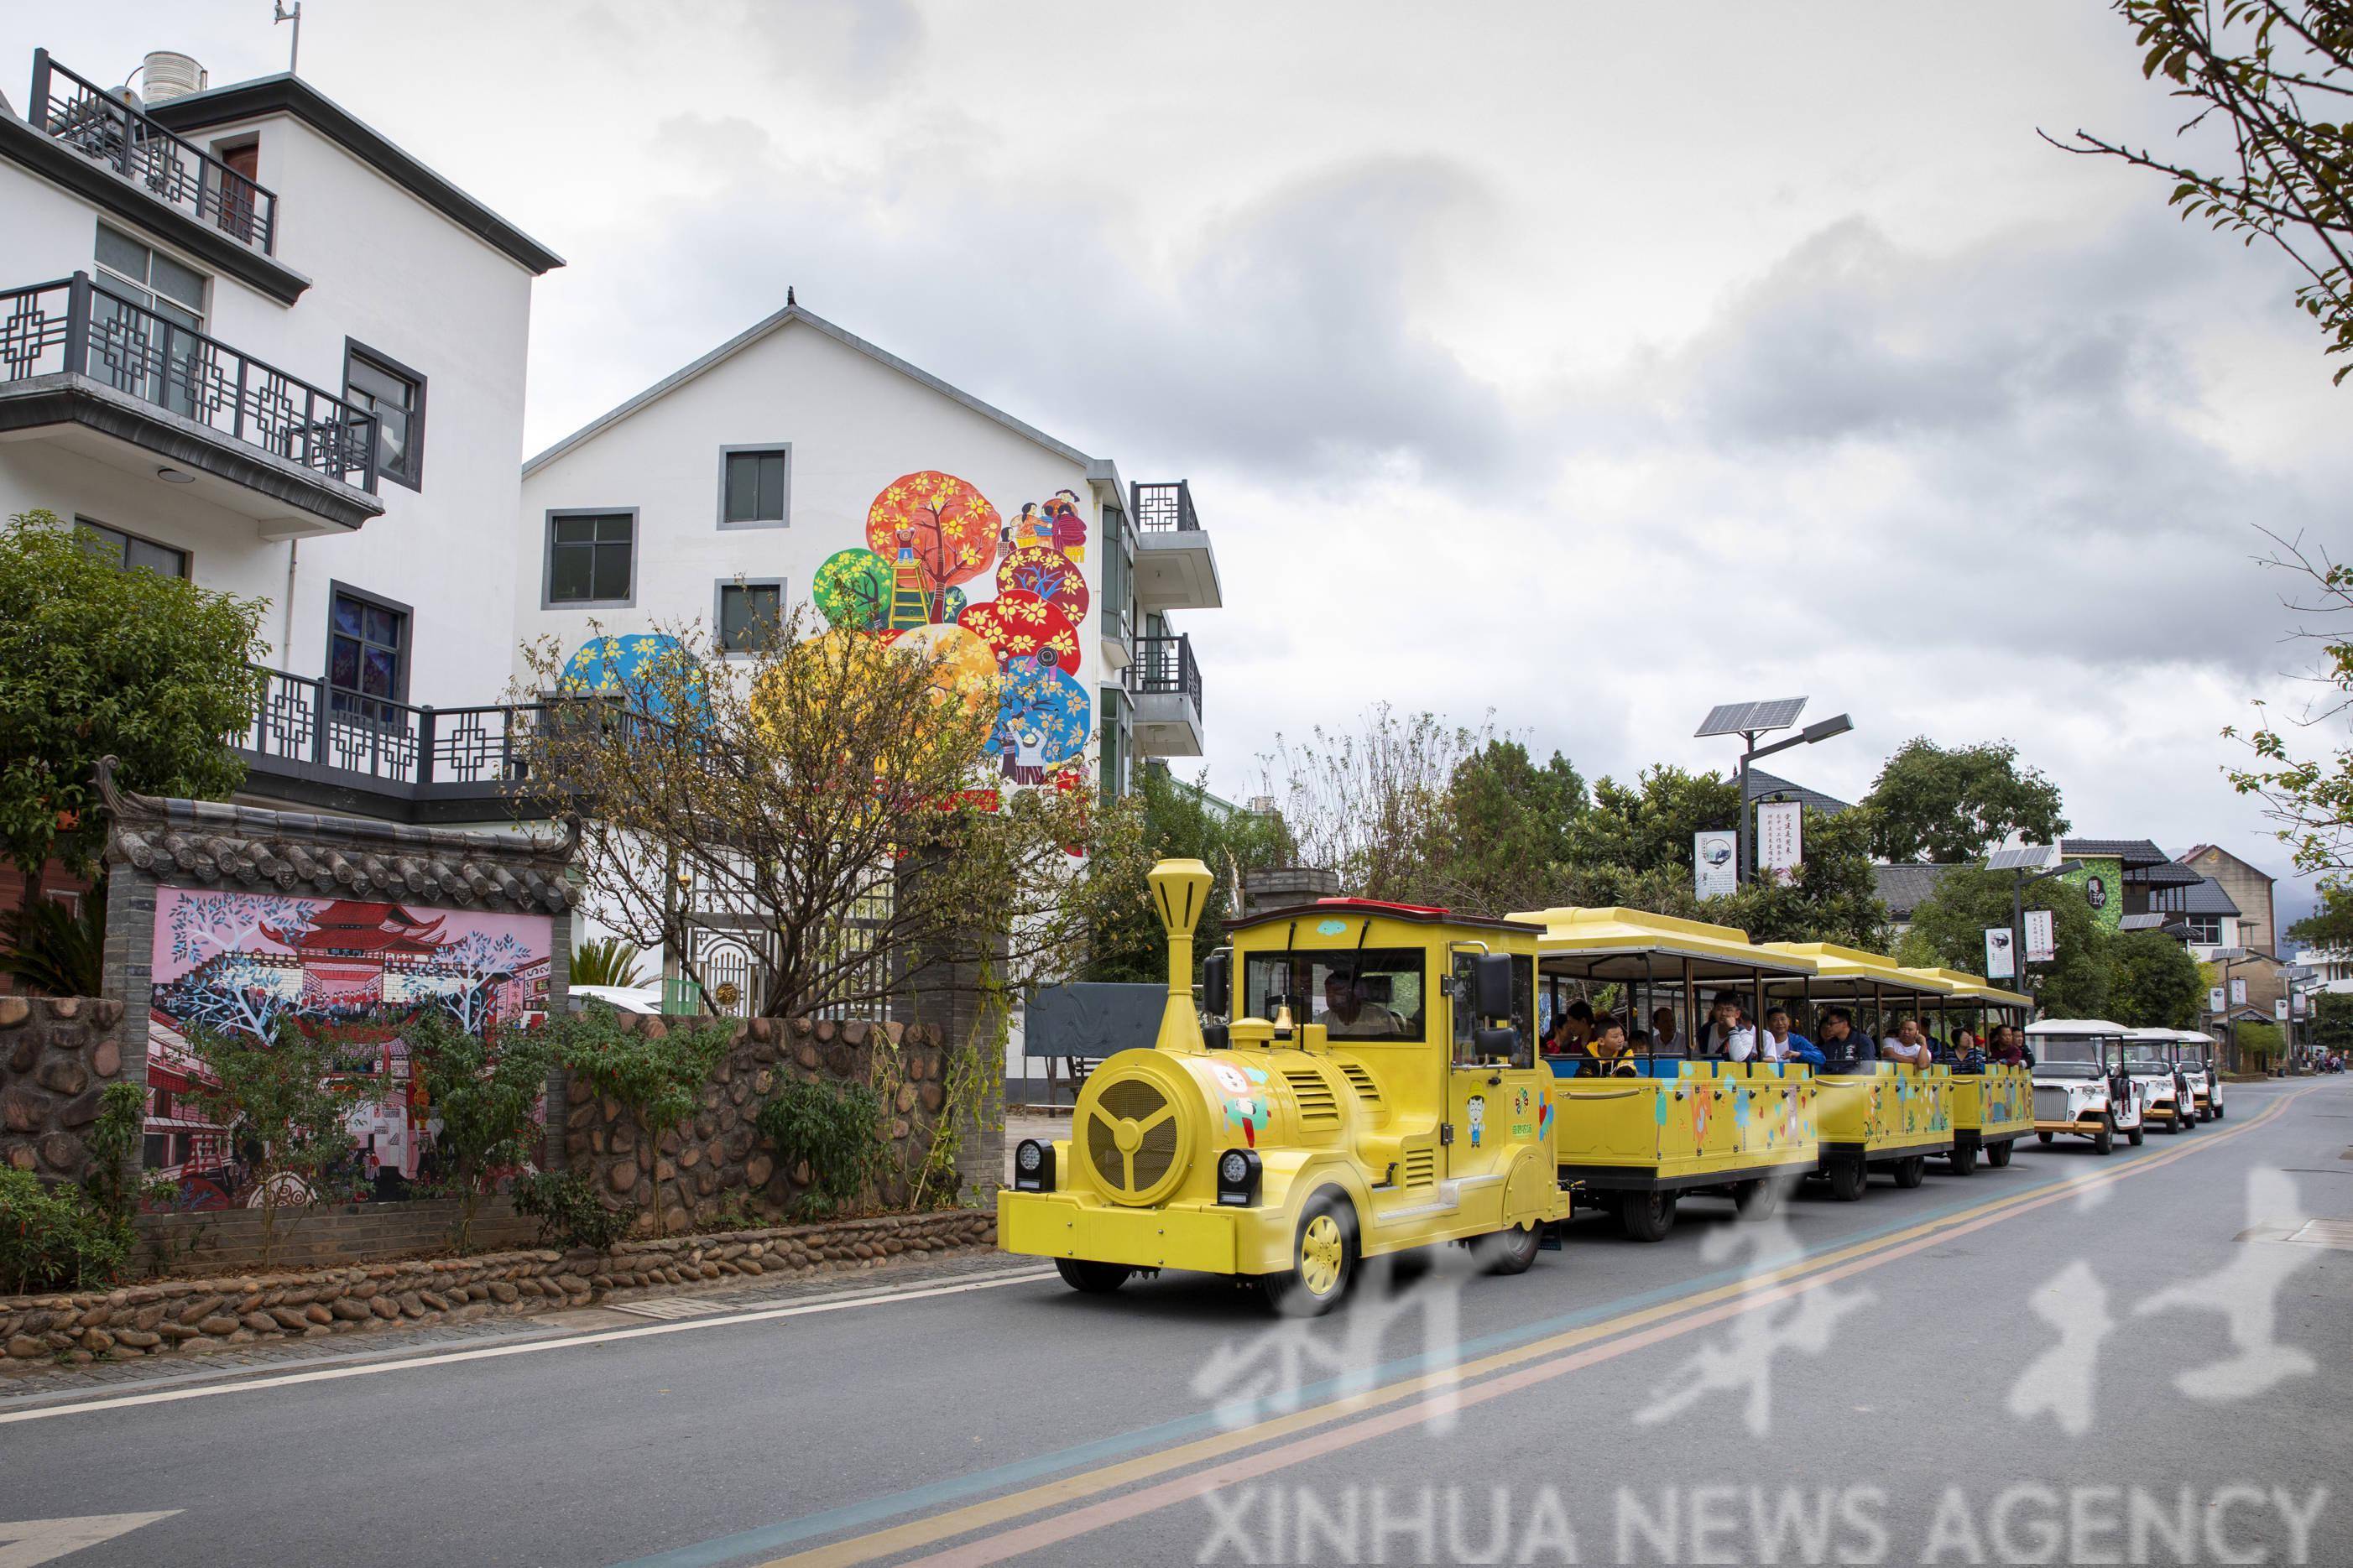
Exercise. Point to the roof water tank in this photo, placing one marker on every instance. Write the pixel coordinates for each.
(169, 74)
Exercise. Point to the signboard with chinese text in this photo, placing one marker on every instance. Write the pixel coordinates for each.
(1780, 833)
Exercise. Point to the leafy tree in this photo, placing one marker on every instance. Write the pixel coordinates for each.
(2332, 1021)
(2153, 983)
(1370, 803)
(53, 950)
(285, 1117)
(656, 1072)
(97, 661)
(2263, 74)
(2260, 1045)
(1948, 929)
(485, 1093)
(829, 791)
(2309, 795)
(1504, 837)
(1834, 896)
(1949, 805)
(1647, 827)
(1166, 819)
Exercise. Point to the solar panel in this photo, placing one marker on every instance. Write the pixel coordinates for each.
(2025, 857)
(1751, 718)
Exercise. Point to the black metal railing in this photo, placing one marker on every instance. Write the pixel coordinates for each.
(83, 328)
(1163, 507)
(1165, 665)
(303, 724)
(93, 122)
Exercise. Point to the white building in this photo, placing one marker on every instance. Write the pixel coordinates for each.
(721, 494)
(246, 339)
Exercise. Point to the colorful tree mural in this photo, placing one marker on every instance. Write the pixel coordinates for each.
(1046, 574)
(852, 590)
(467, 969)
(964, 667)
(638, 667)
(1023, 626)
(933, 531)
(201, 926)
(1043, 718)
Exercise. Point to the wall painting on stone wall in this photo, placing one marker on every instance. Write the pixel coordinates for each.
(235, 962)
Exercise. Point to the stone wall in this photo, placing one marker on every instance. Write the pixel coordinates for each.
(213, 1240)
(718, 1165)
(56, 1054)
(204, 1313)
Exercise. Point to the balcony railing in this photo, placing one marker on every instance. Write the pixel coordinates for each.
(1163, 507)
(309, 728)
(1165, 665)
(77, 326)
(91, 121)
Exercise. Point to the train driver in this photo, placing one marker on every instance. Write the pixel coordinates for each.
(1351, 1014)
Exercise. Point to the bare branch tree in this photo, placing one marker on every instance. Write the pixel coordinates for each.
(1369, 804)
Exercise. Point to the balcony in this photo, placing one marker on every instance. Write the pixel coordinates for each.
(321, 746)
(99, 144)
(125, 387)
(1175, 567)
(1166, 686)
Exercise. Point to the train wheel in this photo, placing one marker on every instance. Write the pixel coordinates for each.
(2104, 1141)
(1849, 1175)
(1646, 1217)
(1759, 1199)
(1963, 1160)
(1508, 1251)
(1910, 1170)
(1094, 1278)
(1324, 1260)
(1997, 1155)
(2043, 1139)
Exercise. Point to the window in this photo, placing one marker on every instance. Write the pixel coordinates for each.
(144, 298)
(754, 486)
(129, 552)
(1466, 1024)
(367, 654)
(750, 610)
(2205, 929)
(1374, 995)
(591, 558)
(396, 395)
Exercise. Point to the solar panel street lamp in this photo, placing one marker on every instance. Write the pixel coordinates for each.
(1750, 720)
(2027, 864)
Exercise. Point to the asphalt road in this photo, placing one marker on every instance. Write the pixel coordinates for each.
(2073, 1359)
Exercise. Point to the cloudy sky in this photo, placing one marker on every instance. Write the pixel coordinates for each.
(1586, 364)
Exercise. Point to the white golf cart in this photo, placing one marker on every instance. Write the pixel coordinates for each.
(2164, 1091)
(2196, 1060)
(2081, 1086)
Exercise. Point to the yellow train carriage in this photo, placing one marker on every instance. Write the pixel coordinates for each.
(1995, 1108)
(1637, 1136)
(1376, 1091)
(1873, 1114)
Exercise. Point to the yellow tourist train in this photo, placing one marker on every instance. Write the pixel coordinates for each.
(1369, 1083)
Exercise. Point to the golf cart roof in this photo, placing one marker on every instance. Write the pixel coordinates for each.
(2077, 1026)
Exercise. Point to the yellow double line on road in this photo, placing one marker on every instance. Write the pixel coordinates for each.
(1386, 1410)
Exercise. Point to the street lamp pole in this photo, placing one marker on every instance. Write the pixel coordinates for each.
(1837, 724)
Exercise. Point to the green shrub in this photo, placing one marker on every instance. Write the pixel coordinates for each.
(569, 1212)
(54, 1238)
(113, 1181)
(607, 961)
(657, 1080)
(484, 1094)
(53, 951)
(836, 1127)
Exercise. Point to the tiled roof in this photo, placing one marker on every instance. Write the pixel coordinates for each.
(1906, 887)
(310, 855)
(2131, 851)
(2172, 874)
(1763, 785)
(2203, 897)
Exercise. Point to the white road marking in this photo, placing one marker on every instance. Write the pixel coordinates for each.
(29, 1541)
(490, 1353)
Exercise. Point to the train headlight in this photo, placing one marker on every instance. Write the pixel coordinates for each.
(1237, 1177)
(1033, 1167)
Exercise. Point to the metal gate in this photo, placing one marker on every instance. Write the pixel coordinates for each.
(733, 978)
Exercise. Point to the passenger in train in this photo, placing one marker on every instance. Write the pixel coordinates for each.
(1666, 1039)
(1781, 1045)
(2007, 1045)
(1908, 1046)
(1608, 1047)
(1729, 1036)
(1842, 1046)
(1577, 1029)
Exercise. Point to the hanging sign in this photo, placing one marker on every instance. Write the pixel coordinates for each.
(1781, 826)
(2213, 999)
(1712, 874)
(2279, 1009)
(1999, 964)
(2042, 940)
(2238, 990)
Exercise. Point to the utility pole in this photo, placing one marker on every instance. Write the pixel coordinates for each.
(280, 14)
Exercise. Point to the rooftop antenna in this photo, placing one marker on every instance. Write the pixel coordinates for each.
(280, 14)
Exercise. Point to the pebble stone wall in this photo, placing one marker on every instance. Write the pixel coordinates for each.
(56, 1055)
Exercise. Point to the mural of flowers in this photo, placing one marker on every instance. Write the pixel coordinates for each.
(630, 665)
(1046, 574)
(933, 531)
(1023, 626)
(852, 590)
(1043, 718)
(963, 667)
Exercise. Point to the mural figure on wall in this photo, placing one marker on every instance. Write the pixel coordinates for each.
(355, 970)
(936, 530)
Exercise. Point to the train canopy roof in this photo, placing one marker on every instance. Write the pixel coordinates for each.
(1850, 972)
(1622, 944)
(1972, 987)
